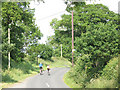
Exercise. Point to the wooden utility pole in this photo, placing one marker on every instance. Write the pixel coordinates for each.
(72, 40)
(61, 50)
(8, 51)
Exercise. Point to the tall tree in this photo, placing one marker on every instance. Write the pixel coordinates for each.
(96, 34)
(19, 18)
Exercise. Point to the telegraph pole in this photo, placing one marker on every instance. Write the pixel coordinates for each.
(72, 40)
(8, 51)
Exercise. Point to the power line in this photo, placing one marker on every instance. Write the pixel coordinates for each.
(50, 15)
(56, 14)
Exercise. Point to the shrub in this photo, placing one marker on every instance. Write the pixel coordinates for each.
(111, 69)
(109, 77)
(80, 71)
(102, 83)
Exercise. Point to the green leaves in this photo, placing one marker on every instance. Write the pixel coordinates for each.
(95, 34)
(10, 47)
(44, 51)
(111, 69)
(13, 10)
(89, 26)
(18, 17)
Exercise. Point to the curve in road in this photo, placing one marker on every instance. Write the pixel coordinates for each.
(54, 80)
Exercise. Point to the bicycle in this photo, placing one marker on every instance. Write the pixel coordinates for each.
(48, 72)
(41, 71)
(41, 68)
(48, 68)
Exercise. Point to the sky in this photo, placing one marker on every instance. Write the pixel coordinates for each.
(45, 12)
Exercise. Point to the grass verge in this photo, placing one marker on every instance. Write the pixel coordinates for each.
(108, 79)
(102, 83)
(18, 73)
(70, 82)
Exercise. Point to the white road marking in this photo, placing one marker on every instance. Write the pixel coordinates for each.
(47, 84)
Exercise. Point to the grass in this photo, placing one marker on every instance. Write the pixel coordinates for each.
(70, 82)
(26, 69)
(109, 77)
(97, 83)
(102, 83)
(55, 62)
(18, 73)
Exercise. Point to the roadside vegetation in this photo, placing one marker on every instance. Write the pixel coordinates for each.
(107, 79)
(18, 73)
(96, 42)
(25, 51)
(28, 68)
(55, 62)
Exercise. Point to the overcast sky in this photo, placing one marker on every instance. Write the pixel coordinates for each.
(45, 12)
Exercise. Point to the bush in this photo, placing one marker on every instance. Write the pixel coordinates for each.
(111, 70)
(82, 75)
(12, 75)
(32, 57)
(102, 83)
(109, 77)
(80, 71)
(17, 71)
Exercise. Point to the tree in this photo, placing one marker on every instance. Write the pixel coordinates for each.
(96, 34)
(44, 51)
(101, 44)
(85, 17)
(23, 30)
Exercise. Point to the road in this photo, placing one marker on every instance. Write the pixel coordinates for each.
(54, 80)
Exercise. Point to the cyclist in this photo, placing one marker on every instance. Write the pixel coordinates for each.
(41, 68)
(48, 68)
